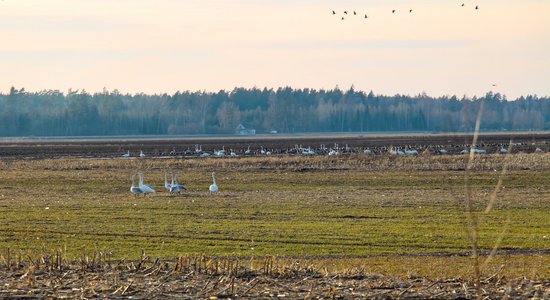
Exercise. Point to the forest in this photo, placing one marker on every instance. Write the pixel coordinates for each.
(284, 110)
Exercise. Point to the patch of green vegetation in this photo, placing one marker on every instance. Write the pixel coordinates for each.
(262, 212)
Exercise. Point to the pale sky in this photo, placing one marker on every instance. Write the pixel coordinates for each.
(157, 46)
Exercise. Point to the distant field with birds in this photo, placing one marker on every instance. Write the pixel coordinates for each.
(380, 214)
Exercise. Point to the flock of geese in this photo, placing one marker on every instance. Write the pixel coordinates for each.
(172, 187)
(393, 11)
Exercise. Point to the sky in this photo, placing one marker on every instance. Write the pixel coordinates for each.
(162, 46)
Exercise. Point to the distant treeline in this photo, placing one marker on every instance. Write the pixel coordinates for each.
(285, 110)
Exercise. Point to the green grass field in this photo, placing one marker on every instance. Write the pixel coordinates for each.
(273, 207)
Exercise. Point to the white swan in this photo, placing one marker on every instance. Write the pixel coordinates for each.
(213, 187)
(396, 151)
(145, 188)
(308, 151)
(167, 185)
(220, 152)
(175, 187)
(135, 189)
(198, 149)
(411, 152)
(127, 154)
(479, 151)
(141, 154)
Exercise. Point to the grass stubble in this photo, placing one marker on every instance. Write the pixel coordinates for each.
(337, 227)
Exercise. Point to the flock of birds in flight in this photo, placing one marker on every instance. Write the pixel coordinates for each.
(393, 11)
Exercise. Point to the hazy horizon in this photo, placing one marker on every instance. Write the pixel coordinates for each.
(164, 46)
(342, 89)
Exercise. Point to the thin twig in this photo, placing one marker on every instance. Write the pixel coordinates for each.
(126, 289)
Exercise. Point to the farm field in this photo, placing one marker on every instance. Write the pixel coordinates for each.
(109, 147)
(383, 216)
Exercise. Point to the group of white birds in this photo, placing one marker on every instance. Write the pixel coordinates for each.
(127, 154)
(172, 187)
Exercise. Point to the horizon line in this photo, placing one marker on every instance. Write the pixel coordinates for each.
(207, 91)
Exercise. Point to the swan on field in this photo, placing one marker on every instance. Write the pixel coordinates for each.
(220, 153)
(135, 189)
(198, 149)
(167, 185)
(175, 187)
(145, 188)
(396, 151)
(213, 187)
(411, 152)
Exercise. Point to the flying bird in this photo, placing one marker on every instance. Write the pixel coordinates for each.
(410, 10)
(354, 13)
(477, 7)
(393, 11)
(333, 12)
(345, 12)
(342, 18)
(366, 17)
(462, 5)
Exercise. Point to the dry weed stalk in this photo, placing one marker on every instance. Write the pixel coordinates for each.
(474, 220)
